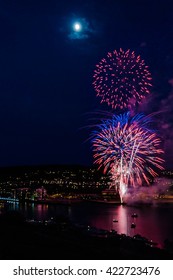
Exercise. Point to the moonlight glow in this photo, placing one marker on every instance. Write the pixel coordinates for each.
(77, 26)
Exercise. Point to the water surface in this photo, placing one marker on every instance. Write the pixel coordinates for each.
(153, 222)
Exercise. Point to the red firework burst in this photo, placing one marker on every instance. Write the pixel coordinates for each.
(122, 79)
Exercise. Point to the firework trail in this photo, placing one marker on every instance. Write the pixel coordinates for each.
(128, 150)
(122, 79)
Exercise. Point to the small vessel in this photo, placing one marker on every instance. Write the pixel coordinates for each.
(133, 225)
(112, 231)
(115, 221)
(151, 243)
(134, 215)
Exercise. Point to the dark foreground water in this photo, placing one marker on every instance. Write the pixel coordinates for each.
(153, 222)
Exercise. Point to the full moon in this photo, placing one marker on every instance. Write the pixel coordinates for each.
(77, 26)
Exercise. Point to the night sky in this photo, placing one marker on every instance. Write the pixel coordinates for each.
(46, 70)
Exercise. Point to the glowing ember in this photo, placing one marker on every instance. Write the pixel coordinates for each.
(122, 79)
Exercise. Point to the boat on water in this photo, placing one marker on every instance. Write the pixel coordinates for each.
(134, 215)
(133, 225)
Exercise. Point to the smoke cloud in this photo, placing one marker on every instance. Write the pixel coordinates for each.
(148, 194)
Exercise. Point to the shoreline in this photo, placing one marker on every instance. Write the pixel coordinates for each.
(99, 201)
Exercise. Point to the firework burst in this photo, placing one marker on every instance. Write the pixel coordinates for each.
(122, 79)
(127, 149)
